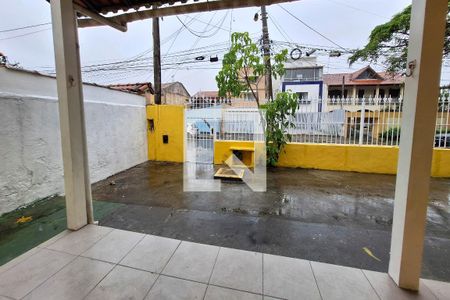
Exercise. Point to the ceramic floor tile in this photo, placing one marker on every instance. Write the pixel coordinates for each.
(289, 278)
(52, 240)
(169, 288)
(79, 241)
(338, 282)
(73, 282)
(192, 261)
(123, 283)
(18, 259)
(31, 272)
(438, 288)
(114, 246)
(151, 254)
(219, 293)
(237, 269)
(387, 289)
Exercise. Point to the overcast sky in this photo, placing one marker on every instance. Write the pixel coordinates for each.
(346, 22)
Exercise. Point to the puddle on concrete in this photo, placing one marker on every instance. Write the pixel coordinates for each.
(308, 195)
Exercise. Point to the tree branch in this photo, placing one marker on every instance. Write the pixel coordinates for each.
(250, 86)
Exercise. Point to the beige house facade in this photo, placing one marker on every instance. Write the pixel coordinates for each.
(364, 83)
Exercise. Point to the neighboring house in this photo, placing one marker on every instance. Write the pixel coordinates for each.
(364, 83)
(207, 94)
(203, 99)
(304, 77)
(142, 88)
(174, 93)
(247, 98)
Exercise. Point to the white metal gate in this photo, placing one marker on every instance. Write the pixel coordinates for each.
(201, 124)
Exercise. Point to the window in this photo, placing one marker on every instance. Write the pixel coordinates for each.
(337, 93)
(394, 93)
(248, 96)
(361, 93)
(382, 93)
(334, 94)
(303, 98)
(368, 74)
(303, 74)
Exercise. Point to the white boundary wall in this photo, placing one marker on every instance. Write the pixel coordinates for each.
(30, 142)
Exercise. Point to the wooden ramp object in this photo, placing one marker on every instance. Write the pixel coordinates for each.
(228, 173)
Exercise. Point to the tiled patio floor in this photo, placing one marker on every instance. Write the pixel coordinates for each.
(104, 263)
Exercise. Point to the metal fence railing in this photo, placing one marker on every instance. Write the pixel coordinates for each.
(362, 121)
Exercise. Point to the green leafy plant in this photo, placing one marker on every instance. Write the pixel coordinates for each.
(443, 130)
(389, 42)
(279, 118)
(243, 67)
(393, 132)
(390, 134)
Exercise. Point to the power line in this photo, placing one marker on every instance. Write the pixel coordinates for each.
(199, 33)
(357, 9)
(204, 22)
(311, 28)
(25, 27)
(176, 36)
(199, 37)
(280, 29)
(25, 34)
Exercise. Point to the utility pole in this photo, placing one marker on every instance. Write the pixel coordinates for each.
(156, 59)
(266, 51)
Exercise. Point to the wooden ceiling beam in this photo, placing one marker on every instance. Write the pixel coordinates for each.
(178, 10)
(99, 19)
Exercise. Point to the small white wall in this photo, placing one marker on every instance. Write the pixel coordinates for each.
(313, 91)
(30, 142)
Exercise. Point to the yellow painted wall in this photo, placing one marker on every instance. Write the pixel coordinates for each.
(222, 149)
(364, 159)
(441, 163)
(167, 120)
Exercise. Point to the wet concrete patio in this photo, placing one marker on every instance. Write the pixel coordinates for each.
(310, 214)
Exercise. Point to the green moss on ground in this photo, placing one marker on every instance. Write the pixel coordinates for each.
(49, 219)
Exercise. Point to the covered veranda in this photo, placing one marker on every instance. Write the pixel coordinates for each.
(83, 267)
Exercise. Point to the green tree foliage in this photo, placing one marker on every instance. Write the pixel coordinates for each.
(388, 42)
(243, 65)
(390, 134)
(279, 116)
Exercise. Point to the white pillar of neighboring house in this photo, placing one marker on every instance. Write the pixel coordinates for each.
(426, 40)
(77, 185)
(377, 91)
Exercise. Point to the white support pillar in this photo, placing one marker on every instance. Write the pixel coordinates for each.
(71, 114)
(416, 145)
